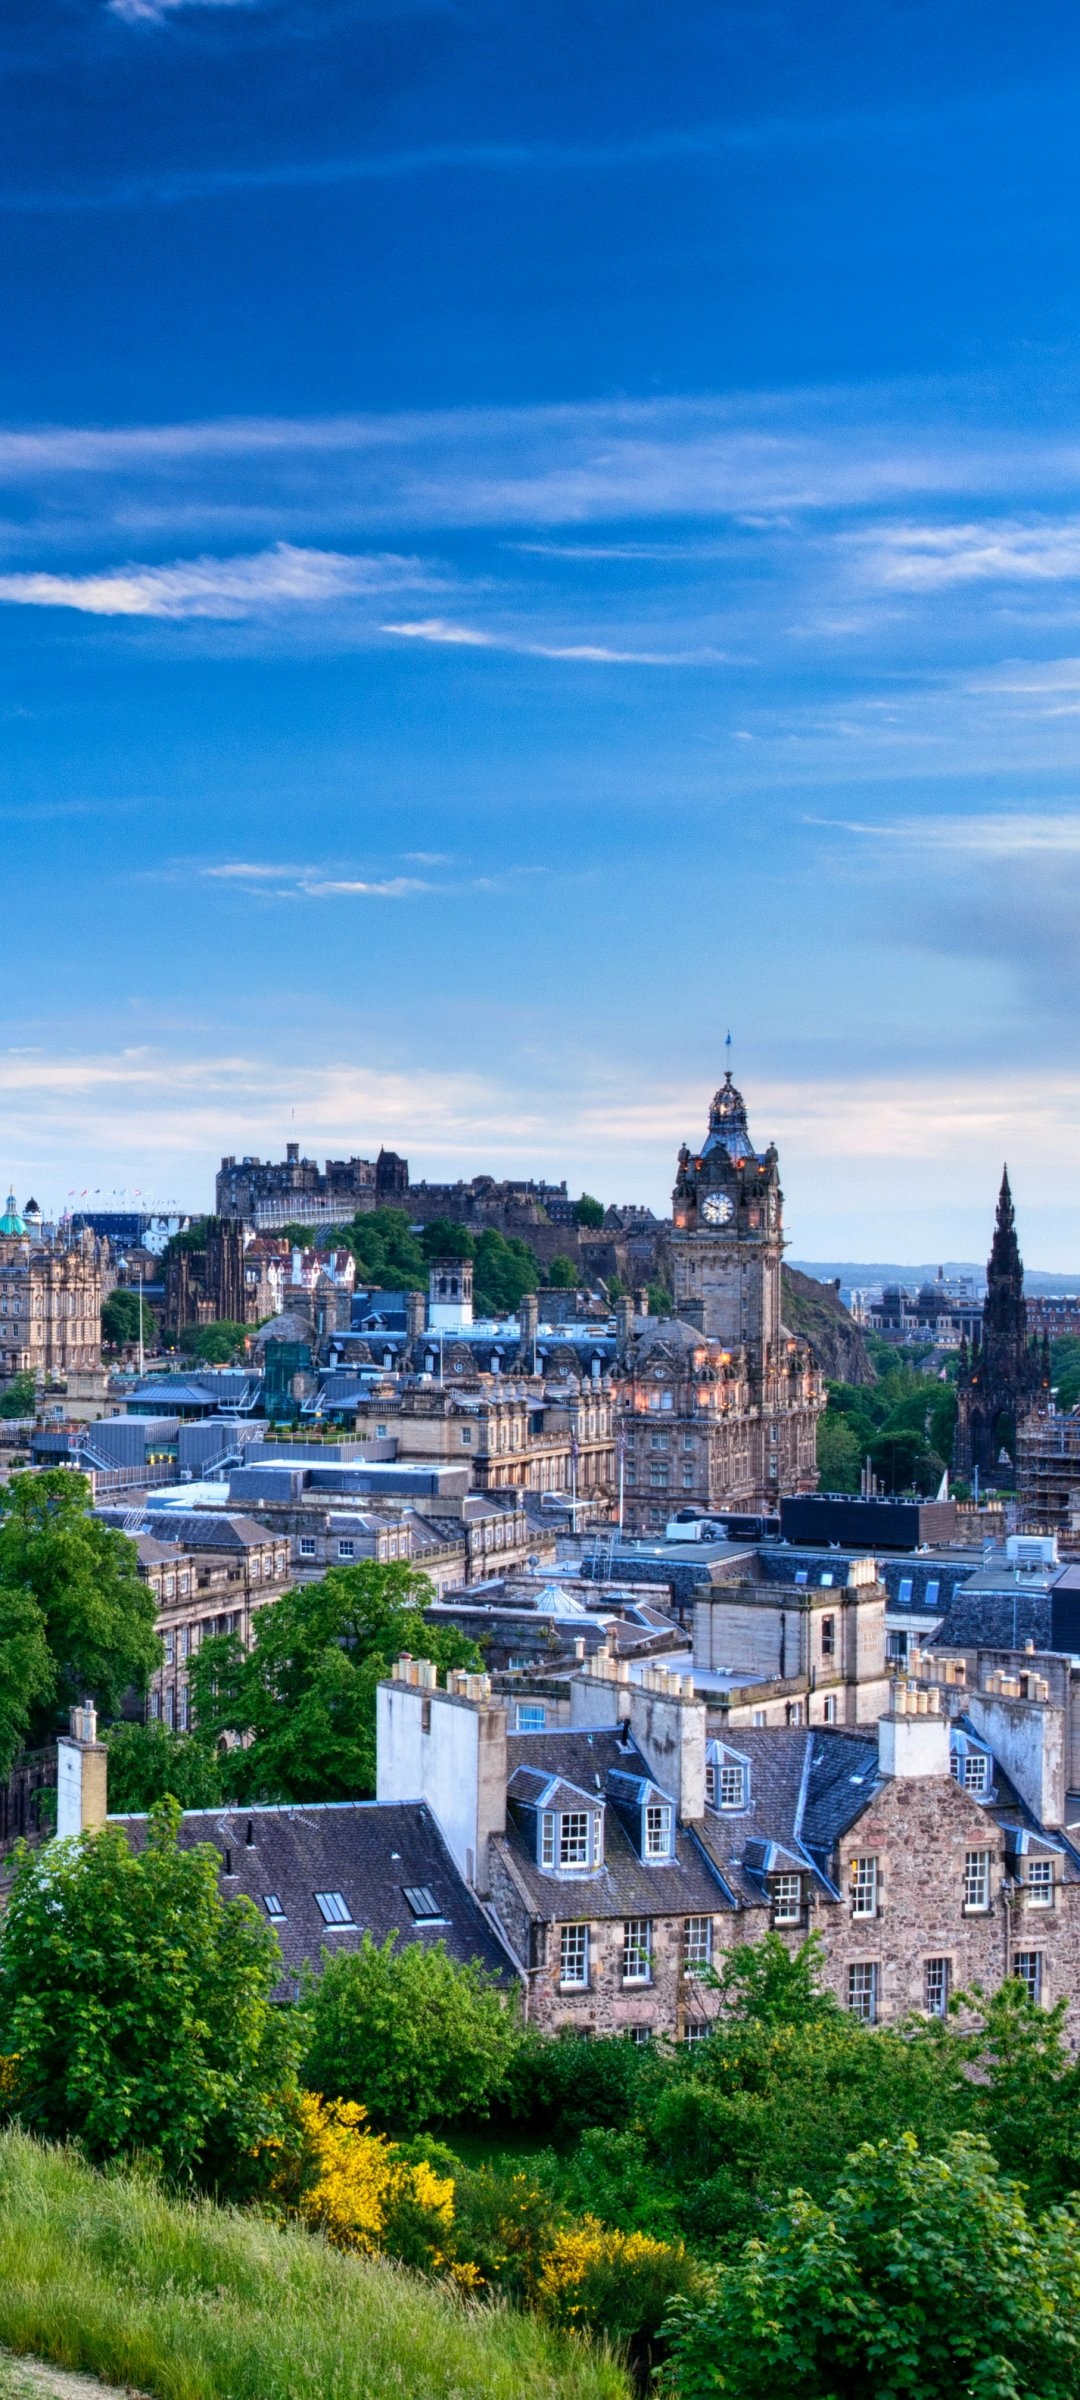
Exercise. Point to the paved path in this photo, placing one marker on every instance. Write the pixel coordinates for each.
(34, 2379)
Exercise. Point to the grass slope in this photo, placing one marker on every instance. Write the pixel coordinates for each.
(186, 2301)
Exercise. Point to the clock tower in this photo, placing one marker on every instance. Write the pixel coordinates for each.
(727, 1242)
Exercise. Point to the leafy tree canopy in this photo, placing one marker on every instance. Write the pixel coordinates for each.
(138, 2003)
(661, 1300)
(443, 1238)
(588, 1211)
(20, 1398)
(387, 1252)
(192, 1238)
(1065, 1369)
(504, 1271)
(418, 2039)
(922, 2277)
(76, 1618)
(120, 1317)
(214, 1345)
(303, 1696)
(147, 1762)
(561, 1275)
(905, 1423)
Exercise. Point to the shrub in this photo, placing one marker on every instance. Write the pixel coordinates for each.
(418, 2039)
(360, 2190)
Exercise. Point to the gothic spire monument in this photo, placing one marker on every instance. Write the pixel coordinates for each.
(718, 1406)
(1003, 1375)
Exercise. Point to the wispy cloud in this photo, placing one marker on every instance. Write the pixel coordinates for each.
(1011, 835)
(470, 637)
(283, 577)
(141, 12)
(285, 882)
(935, 557)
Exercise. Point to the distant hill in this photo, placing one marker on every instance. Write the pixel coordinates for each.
(816, 1310)
(862, 1271)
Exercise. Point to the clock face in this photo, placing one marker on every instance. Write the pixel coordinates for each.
(717, 1209)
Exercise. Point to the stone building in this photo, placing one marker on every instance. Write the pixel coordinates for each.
(50, 1297)
(210, 1572)
(622, 1856)
(718, 1406)
(1006, 1371)
(513, 1432)
(269, 1194)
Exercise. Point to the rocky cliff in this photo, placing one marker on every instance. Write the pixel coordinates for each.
(816, 1311)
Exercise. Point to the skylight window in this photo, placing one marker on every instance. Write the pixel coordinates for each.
(333, 1908)
(273, 1906)
(422, 1901)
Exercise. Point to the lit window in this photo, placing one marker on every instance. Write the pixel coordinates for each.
(574, 1838)
(864, 1887)
(333, 1908)
(862, 1993)
(422, 1902)
(1040, 1883)
(936, 1987)
(531, 1716)
(732, 1785)
(787, 1899)
(698, 1945)
(273, 1907)
(573, 1957)
(657, 1830)
(977, 1879)
(1027, 1968)
(637, 1950)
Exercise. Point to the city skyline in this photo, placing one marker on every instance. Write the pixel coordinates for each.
(517, 552)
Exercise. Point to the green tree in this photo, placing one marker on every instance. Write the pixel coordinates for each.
(303, 1696)
(120, 1318)
(562, 1275)
(839, 1458)
(1025, 2091)
(502, 1274)
(20, 1398)
(1065, 1369)
(765, 1983)
(138, 2003)
(417, 2038)
(147, 1762)
(588, 1211)
(661, 1300)
(444, 1238)
(214, 1345)
(96, 1613)
(27, 1672)
(387, 1253)
(922, 2278)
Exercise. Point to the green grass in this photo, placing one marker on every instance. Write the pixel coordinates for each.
(187, 2301)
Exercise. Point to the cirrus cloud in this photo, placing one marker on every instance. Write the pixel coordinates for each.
(280, 578)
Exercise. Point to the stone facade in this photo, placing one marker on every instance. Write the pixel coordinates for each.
(513, 1432)
(207, 1578)
(622, 1855)
(1006, 1372)
(718, 1408)
(50, 1303)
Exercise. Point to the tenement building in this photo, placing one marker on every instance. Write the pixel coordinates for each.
(718, 1406)
(621, 1856)
(50, 1296)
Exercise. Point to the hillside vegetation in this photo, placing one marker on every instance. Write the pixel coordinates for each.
(188, 2301)
(816, 1311)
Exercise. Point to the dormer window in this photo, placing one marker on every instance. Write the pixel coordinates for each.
(571, 1839)
(657, 1829)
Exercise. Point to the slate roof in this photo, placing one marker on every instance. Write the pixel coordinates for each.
(624, 1886)
(803, 1793)
(369, 1851)
(194, 1531)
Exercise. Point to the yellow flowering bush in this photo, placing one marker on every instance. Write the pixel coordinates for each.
(9, 2080)
(619, 2284)
(356, 2187)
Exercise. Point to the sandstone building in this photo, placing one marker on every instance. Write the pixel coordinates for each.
(718, 1406)
(50, 1297)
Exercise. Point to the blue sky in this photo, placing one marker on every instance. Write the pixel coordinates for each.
(528, 536)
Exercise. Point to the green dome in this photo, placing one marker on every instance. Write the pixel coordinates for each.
(11, 1222)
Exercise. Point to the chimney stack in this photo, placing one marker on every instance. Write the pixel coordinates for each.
(81, 1776)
